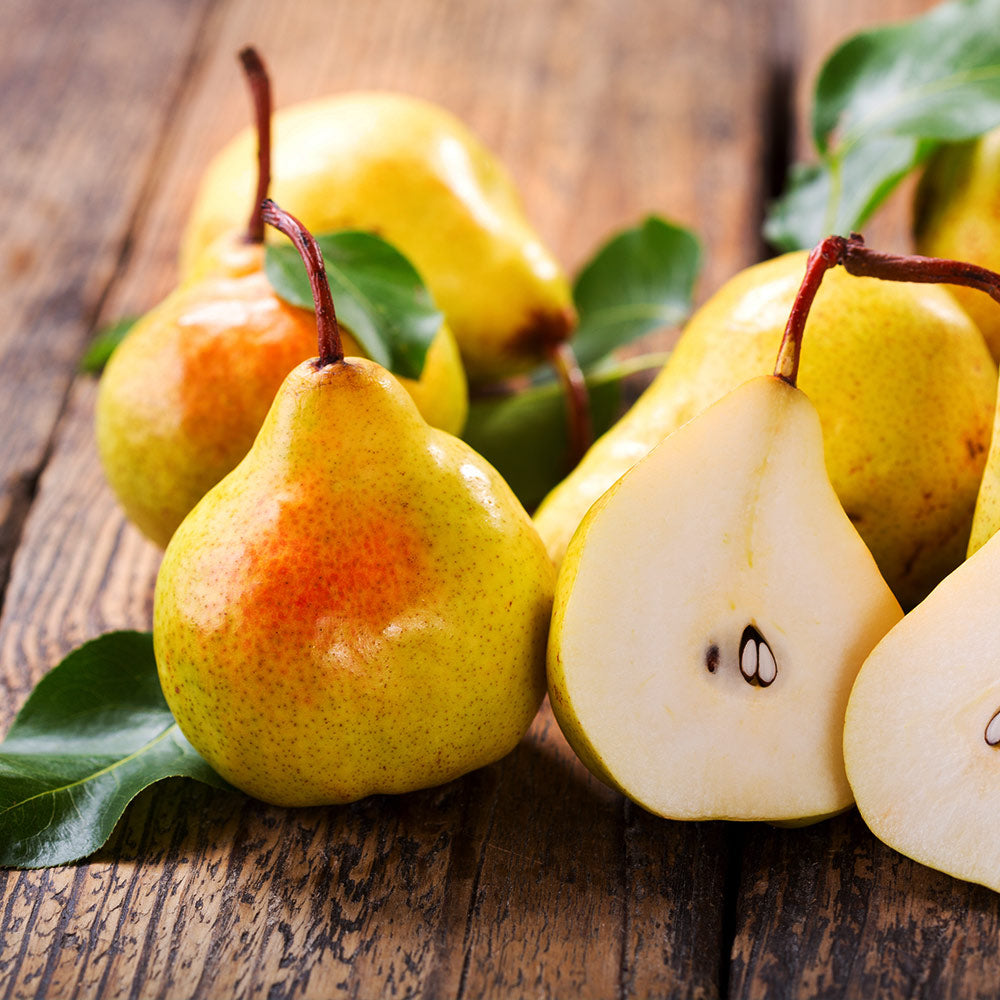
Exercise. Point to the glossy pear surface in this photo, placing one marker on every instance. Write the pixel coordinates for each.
(412, 173)
(185, 393)
(901, 379)
(926, 778)
(361, 606)
(958, 216)
(725, 551)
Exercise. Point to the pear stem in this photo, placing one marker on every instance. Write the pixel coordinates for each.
(859, 260)
(581, 432)
(331, 350)
(260, 94)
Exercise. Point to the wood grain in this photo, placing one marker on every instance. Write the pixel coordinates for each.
(527, 878)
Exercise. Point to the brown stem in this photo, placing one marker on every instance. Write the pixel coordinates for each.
(260, 93)
(823, 257)
(328, 330)
(581, 432)
(858, 260)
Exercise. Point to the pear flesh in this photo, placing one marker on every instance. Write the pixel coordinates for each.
(922, 735)
(711, 614)
(360, 606)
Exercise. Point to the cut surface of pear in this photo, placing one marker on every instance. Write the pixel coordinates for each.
(360, 606)
(922, 735)
(711, 614)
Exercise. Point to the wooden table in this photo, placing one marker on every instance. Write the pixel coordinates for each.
(528, 878)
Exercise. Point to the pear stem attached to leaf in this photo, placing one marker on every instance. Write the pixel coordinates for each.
(581, 433)
(858, 260)
(331, 350)
(260, 93)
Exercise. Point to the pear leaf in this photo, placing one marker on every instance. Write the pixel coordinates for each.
(103, 345)
(525, 435)
(884, 101)
(95, 732)
(378, 294)
(640, 280)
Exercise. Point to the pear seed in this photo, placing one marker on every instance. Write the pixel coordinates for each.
(712, 658)
(757, 663)
(993, 730)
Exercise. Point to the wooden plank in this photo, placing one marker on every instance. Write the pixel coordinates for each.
(82, 107)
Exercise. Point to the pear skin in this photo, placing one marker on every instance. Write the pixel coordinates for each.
(185, 393)
(902, 381)
(412, 173)
(957, 215)
(727, 529)
(360, 607)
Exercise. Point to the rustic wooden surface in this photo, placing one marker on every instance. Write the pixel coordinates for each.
(527, 878)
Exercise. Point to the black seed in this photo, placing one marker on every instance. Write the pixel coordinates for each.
(712, 658)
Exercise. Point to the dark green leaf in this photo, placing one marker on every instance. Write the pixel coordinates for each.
(378, 294)
(525, 435)
(95, 732)
(639, 281)
(103, 345)
(884, 100)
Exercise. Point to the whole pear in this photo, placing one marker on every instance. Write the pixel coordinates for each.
(361, 606)
(186, 391)
(902, 381)
(957, 214)
(411, 172)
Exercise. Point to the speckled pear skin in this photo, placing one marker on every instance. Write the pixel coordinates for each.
(361, 606)
(957, 215)
(185, 393)
(411, 172)
(904, 386)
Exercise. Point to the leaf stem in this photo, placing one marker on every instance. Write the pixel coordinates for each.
(331, 350)
(260, 94)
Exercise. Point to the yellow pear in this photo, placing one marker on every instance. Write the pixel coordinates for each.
(411, 172)
(957, 214)
(922, 734)
(184, 395)
(362, 605)
(711, 614)
(902, 381)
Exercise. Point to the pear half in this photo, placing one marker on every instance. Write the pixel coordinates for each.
(711, 614)
(922, 735)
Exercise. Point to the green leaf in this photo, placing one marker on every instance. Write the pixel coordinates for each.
(94, 733)
(103, 345)
(884, 101)
(525, 435)
(641, 280)
(378, 295)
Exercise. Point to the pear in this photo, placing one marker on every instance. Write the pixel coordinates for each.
(986, 518)
(902, 381)
(184, 395)
(922, 734)
(957, 214)
(711, 614)
(410, 171)
(361, 605)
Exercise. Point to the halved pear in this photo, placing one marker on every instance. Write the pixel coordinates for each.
(711, 614)
(922, 735)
